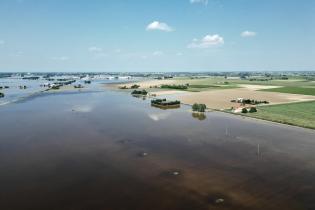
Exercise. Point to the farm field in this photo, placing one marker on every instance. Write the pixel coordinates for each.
(294, 90)
(221, 99)
(219, 83)
(286, 97)
(300, 114)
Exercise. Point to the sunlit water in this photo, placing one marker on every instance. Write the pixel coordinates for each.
(107, 150)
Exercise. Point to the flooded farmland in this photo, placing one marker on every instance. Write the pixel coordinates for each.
(107, 150)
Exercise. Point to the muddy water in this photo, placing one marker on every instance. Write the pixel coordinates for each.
(108, 150)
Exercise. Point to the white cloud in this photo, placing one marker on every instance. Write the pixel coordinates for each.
(204, 2)
(156, 25)
(2, 42)
(98, 52)
(248, 34)
(95, 49)
(158, 53)
(61, 58)
(207, 41)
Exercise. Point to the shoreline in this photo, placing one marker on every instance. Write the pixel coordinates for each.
(295, 98)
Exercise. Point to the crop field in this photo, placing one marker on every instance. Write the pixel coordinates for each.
(294, 82)
(300, 114)
(294, 90)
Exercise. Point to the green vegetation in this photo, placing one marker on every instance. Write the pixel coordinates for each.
(55, 87)
(294, 90)
(203, 86)
(252, 110)
(199, 107)
(244, 111)
(139, 92)
(299, 114)
(1, 95)
(135, 86)
(177, 87)
(165, 103)
(123, 87)
(78, 86)
(250, 101)
(229, 82)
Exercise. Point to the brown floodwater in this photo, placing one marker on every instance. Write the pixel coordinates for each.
(110, 151)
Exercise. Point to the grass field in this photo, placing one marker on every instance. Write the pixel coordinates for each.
(294, 90)
(300, 114)
(233, 82)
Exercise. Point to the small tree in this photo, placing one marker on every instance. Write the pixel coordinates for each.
(135, 86)
(252, 109)
(199, 107)
(244, 110)
(195, 107)
(202, 107)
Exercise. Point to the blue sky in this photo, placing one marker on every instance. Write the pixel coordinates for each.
(164, 35)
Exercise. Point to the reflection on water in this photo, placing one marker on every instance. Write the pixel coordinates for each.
(199, 115)
(107, 150)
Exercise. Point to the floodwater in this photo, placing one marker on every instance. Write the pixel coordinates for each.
(110, 151)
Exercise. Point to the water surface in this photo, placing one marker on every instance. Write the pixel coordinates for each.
(86, 151)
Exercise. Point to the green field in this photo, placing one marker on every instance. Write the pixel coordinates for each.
(202, 84)
(294, 90)
(300, 114)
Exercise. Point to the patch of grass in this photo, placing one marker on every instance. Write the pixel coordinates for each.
(300, 114)
(218, 80)
(202, 86)
(293, 90)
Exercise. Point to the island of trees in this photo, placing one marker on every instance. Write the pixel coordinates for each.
(177, 87)
(163, 103)
(139, 92)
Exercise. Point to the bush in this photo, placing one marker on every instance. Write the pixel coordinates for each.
(252, 110)
(199, 107)
(139, 92)
(78, 86)
(178, 87)
(1, 95)
(244, 110)
(135, 86)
